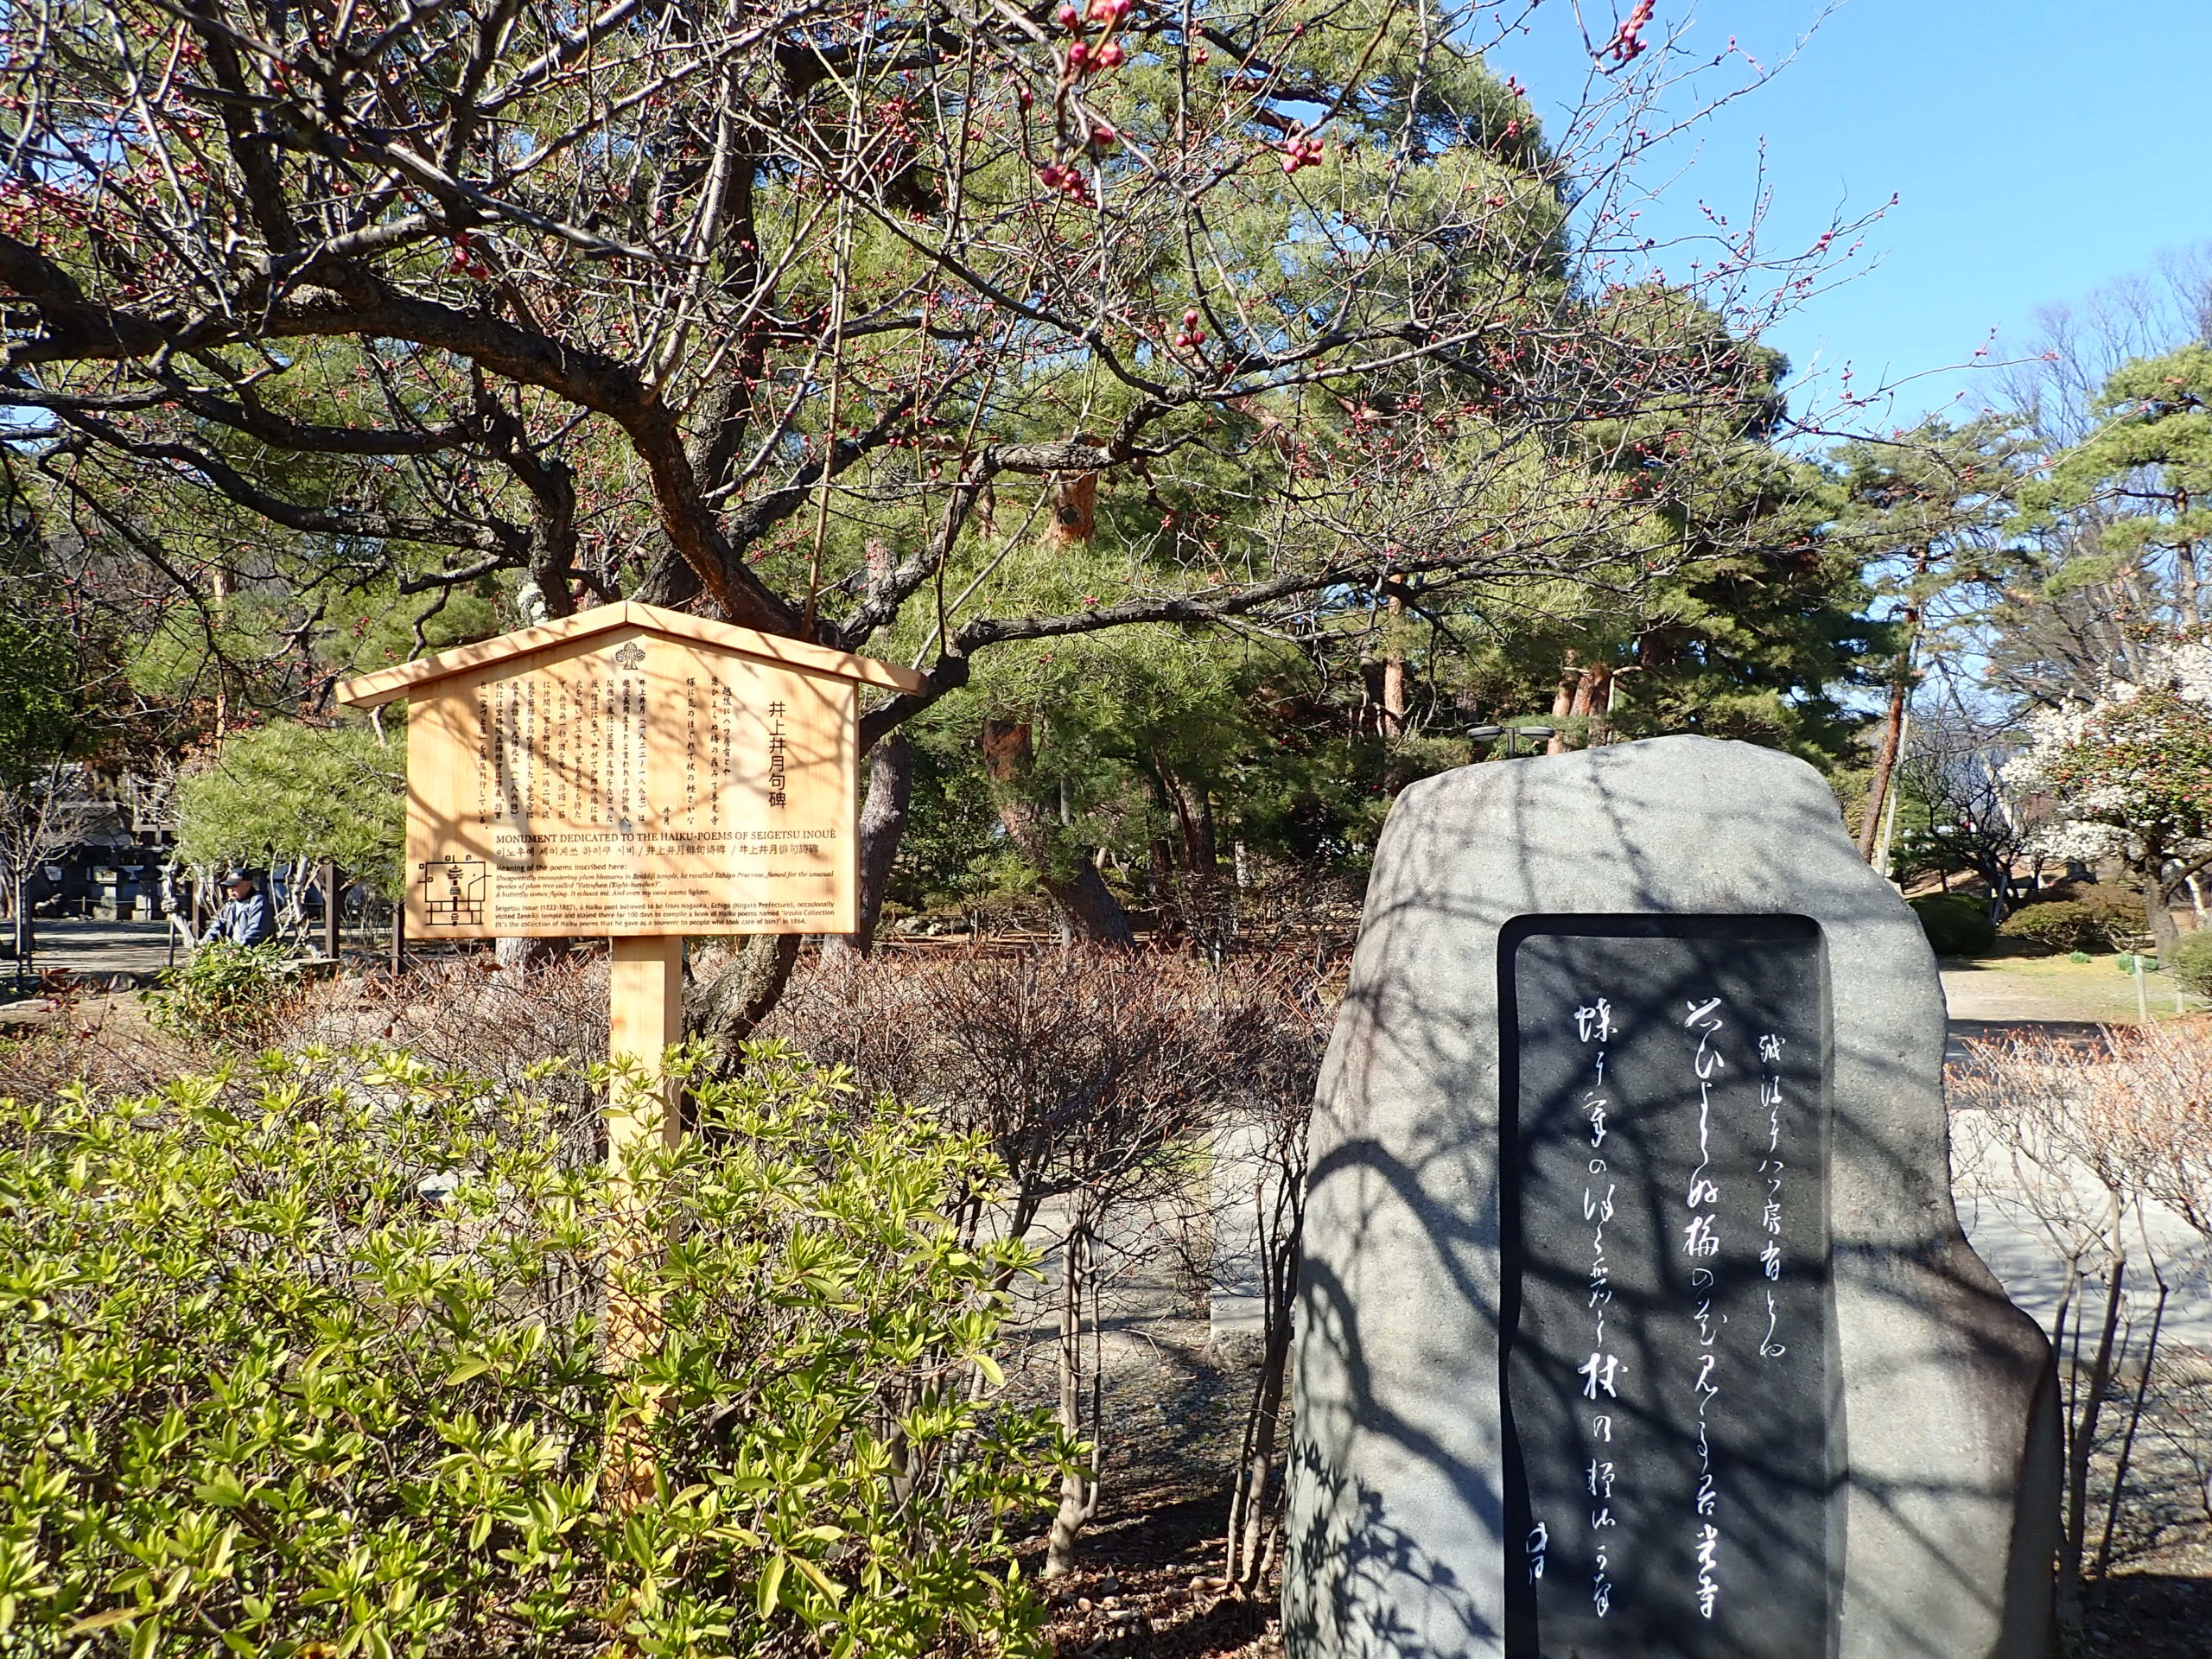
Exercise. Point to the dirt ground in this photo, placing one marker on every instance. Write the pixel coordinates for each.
(1148, 1577)
(2010, 987)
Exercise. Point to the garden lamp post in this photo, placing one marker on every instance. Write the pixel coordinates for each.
(1535, 735)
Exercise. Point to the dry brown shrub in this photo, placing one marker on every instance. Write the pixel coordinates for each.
(2104, 1150)
(468, 1014)
(2133, 1109)
(1081, 1063)
(464, 1012)
(103, 1042)
(1096, 1074)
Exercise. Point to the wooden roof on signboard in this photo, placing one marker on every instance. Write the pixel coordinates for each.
(369, 690)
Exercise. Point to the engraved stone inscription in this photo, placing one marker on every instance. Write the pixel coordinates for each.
(1673, 1434)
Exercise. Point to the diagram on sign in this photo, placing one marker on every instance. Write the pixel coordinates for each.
(452, 890)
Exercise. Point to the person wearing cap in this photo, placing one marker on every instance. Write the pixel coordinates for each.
(247, 918)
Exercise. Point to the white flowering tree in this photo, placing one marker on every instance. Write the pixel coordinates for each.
(2130, 776)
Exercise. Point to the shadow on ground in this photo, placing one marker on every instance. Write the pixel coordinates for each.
(2150, 1616)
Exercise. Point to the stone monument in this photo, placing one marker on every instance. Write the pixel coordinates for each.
(1637, 1322)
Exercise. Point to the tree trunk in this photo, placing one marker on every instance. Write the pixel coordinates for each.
(728, 1007)
(883, 822)
(1885, 762)
(1079, 1486)
(1253, 1501)
(2158, 920)
(1073, 498)
(1193, 817)
(2083, 1444)
(520, 955)
(1570, 676)
(1394, 674)
(1065, 872)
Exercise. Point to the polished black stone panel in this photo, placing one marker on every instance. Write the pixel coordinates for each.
(1673, 1431)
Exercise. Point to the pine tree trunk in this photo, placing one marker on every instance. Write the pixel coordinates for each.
(520, 955)
(1885, 760)
(1570, 676)
(883, 822)
(1193, 817)
(728, 1007)
(1063, 870)
(1394, 675)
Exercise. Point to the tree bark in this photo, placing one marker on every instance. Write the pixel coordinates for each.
(521, 954)
(1066, 874)
(1078, 1487)
(1590, 686)
(883, 822)
(727, 1009)
(2076, 1519)
(1393, 675)
(2157, 918)
(1074, 500)
(1885, 760)
(1570, 676)
(1253, 1501)
(1193, 812)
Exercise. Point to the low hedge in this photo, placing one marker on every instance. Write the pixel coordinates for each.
(304, 1356)
(2058, 925)
(1956, 924)
(2193, 961)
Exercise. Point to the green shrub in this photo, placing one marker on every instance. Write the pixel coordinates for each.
(304, 1357)
(292, 790)
(2118, 912)
(226, 993)
(2193, 961)
(2057, 925)
(1956, 924)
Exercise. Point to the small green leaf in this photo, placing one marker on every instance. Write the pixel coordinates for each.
(107, 1620)
(771, 1584)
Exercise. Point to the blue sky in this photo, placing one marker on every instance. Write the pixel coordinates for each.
(2038, 150)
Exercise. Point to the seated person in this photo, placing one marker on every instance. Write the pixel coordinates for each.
(248, 919)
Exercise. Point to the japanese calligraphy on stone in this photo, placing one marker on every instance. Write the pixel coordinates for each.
(1671, 1480)
(631, 785)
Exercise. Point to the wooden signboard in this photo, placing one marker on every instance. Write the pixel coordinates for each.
(638, 773)
(630, 771)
